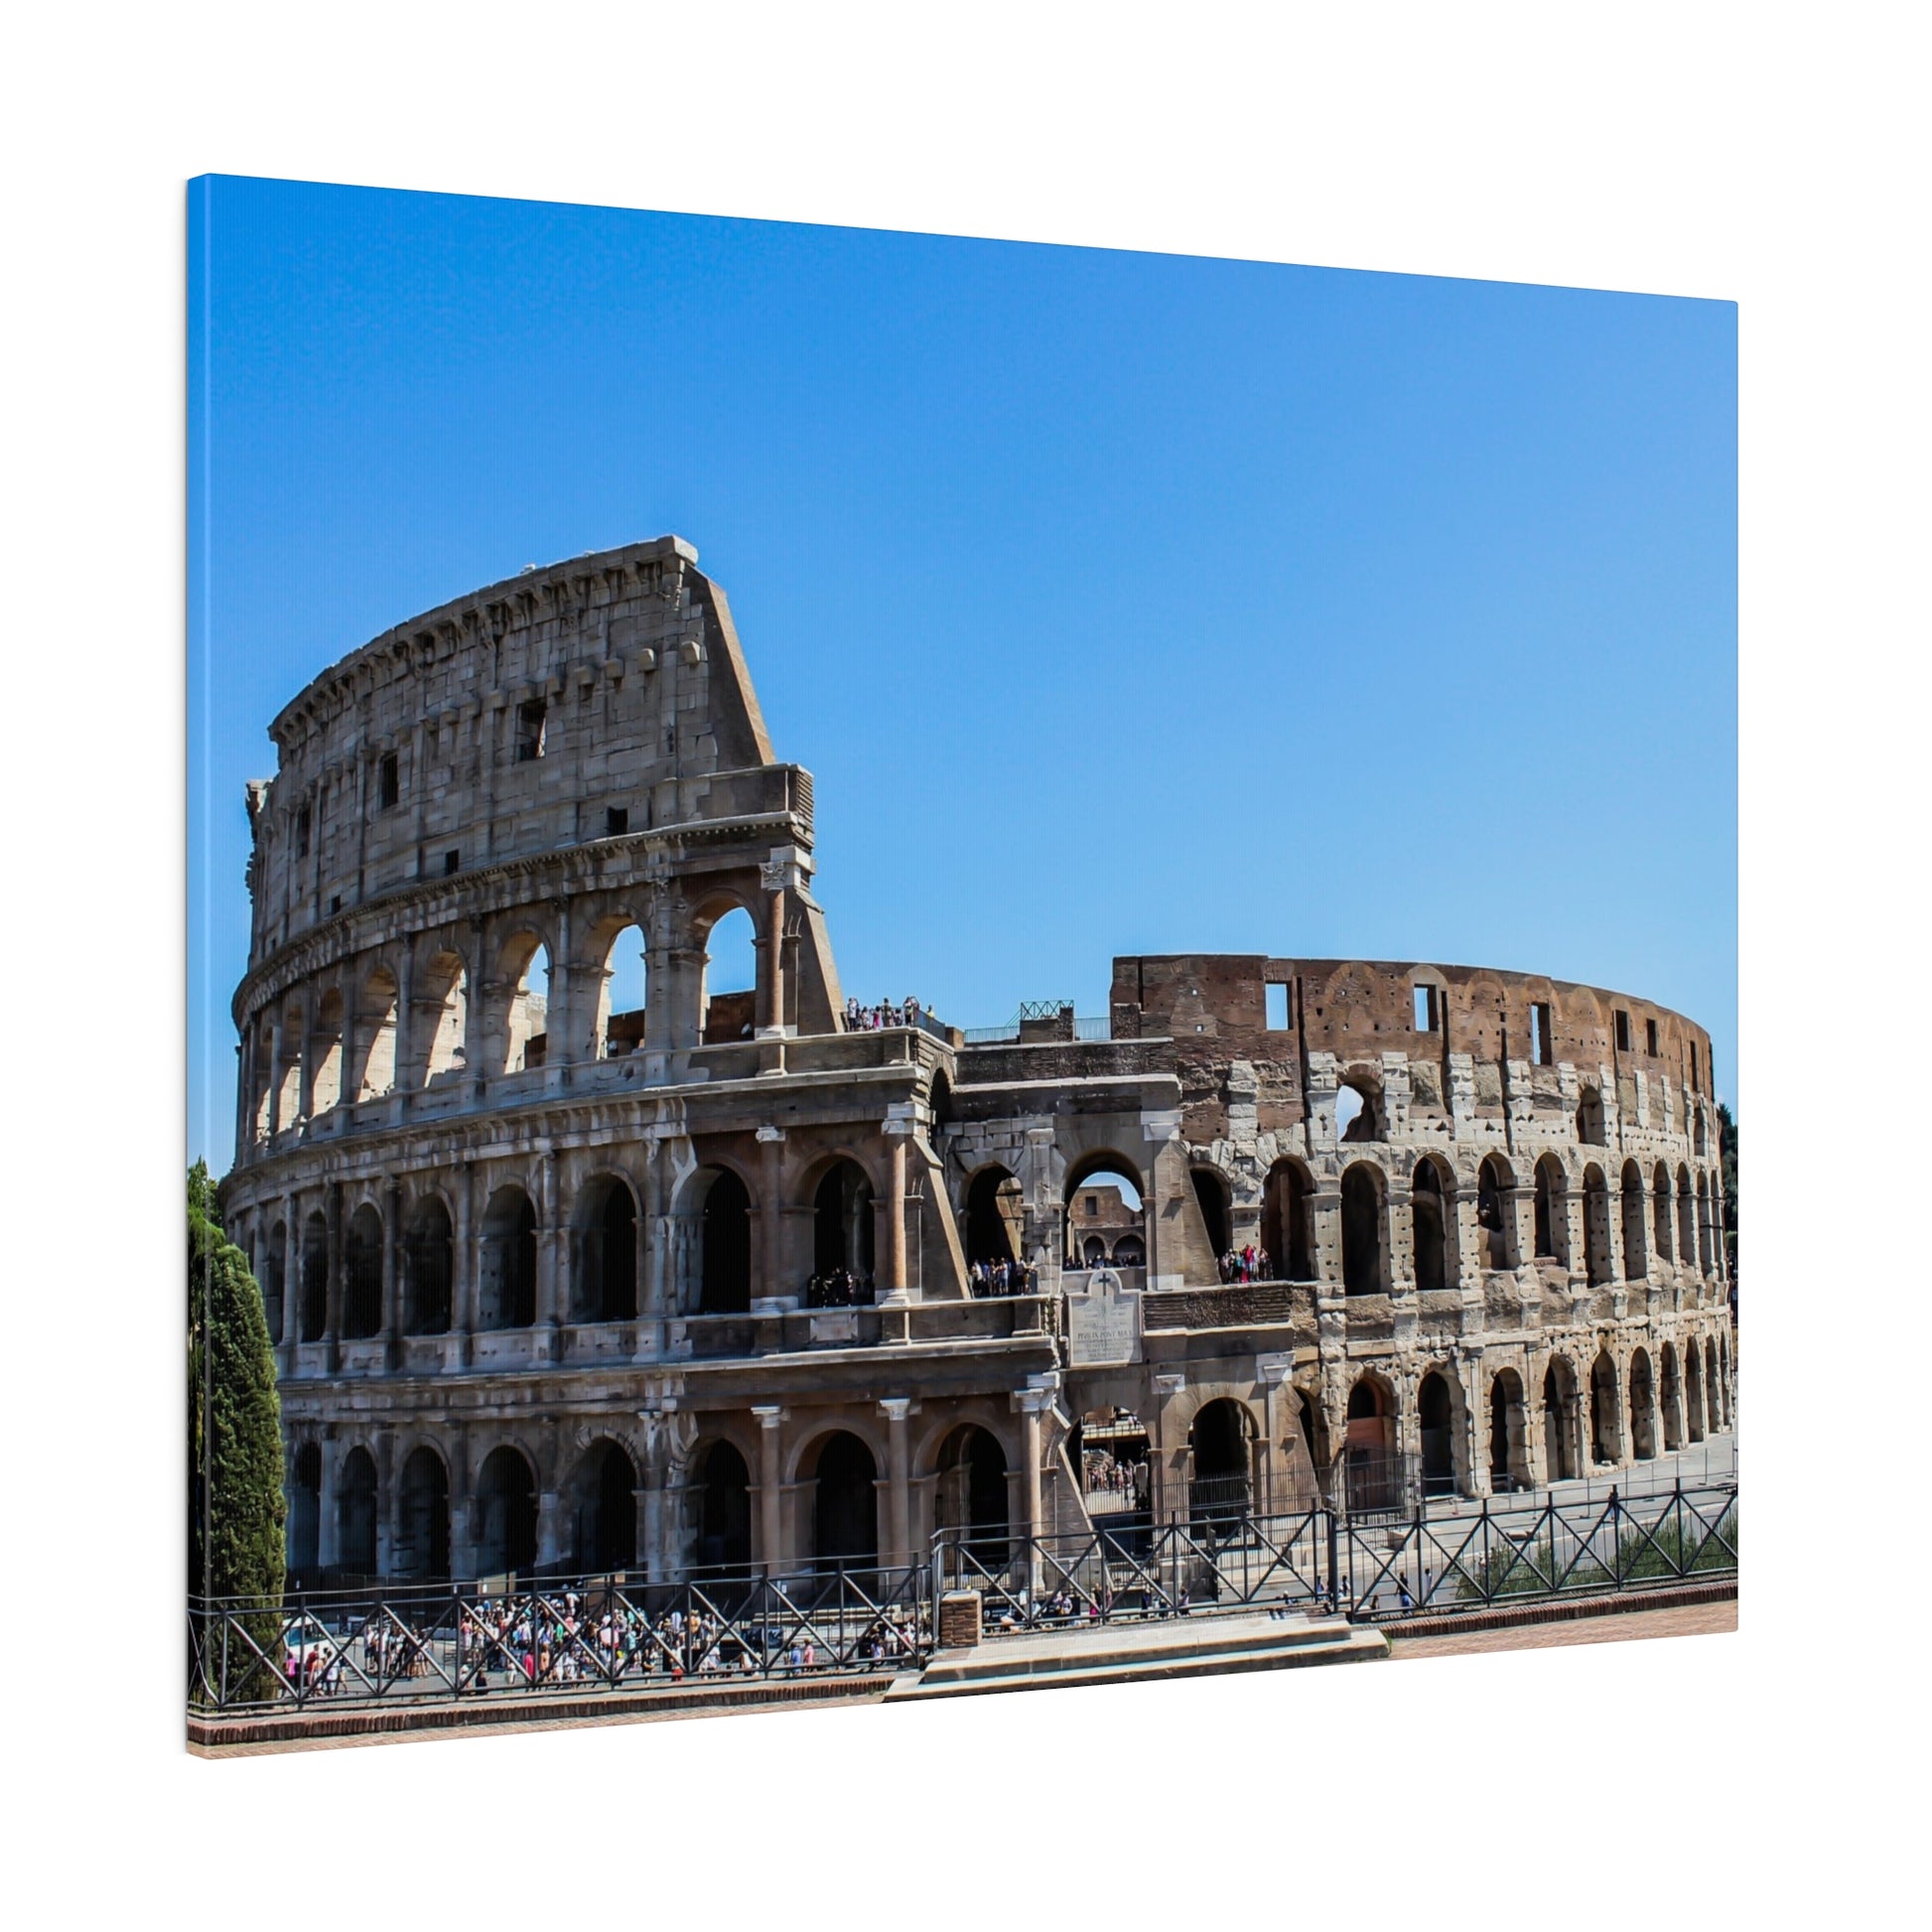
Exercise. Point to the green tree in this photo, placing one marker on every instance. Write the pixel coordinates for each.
(1728, 1151)
(236, 1505)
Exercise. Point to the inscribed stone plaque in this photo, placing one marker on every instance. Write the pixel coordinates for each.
(1103, 1320)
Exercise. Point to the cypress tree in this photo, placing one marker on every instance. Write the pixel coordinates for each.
(236, 1508)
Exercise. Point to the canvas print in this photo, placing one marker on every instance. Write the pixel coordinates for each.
(923, 967)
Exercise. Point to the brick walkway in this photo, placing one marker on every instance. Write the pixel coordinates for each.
(1689, 1620)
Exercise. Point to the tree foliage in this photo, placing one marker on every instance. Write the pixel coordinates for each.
(236, 1505)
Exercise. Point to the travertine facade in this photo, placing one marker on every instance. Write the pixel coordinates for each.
(538, 1271)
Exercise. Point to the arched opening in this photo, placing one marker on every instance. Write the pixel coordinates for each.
(605, 1243)
(1703, 1226)
(375, 1027)
(1116, 1475)
(423, 1519)
(272, 1272)
(1636, 1264)
(1130, 1250)
(1660, 1214)
(1606, 1434)
(526, 1021)
(842, 1235)
(1643, 1407)
(1552, 1211)
(971, 1496)
(1495, 1215)
(326, 1081)
(305, 1516)
(620, 995)
(845, 1504)
(362, 1273)
(445, 997)
(1102, 1205)
(1358, 1109)
(1428, 1220)
(1714, 1388)
(724, 1511)
(1509, 1448)
(1285, 1221)
(1364, 1268)
(1597, 1226)
(1697, 1128)
(1670, 1397)
(1591, 1130)
(1211, 1192)
(995, 1217)
(1561, 1421)
(288, 1037)
(1371, 1463)
(1694, 1414)
(604, 1510)
(315, 1278)
(427, 1269)
(506, 1277)
(728, 1006)
(507, 1514)
(1435, 1414)
(725, 1256)
(1222, 1442)
(1687, 1220)
(355, 1514)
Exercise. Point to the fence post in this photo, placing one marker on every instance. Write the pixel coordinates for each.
(1335, 1558)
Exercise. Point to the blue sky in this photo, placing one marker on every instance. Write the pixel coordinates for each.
(1119, 603)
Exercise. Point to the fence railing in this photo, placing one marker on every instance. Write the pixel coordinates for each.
(1325, 1559)
(400, 1642)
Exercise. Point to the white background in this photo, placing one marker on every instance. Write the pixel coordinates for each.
(1769, 156)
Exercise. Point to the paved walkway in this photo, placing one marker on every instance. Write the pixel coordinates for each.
(1692, 1620)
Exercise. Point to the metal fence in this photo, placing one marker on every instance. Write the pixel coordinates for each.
(403, 1642)
(1369, 1568)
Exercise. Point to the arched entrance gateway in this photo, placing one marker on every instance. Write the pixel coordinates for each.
(1371, 1465)
(1222, 1442)
(1561, 1423)
(724, 1512)
(1509, 1446)
(995, 1216)
(970, 1499)
(844, 1239)
(1101, 1209)
(507, 1514)
(423, 1520)
(604, 1510)
(845, 1504)
(1435, 1414)
(725, 1255)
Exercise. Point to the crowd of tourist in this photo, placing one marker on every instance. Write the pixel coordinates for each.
(1247, 1264)
(1002, 1277)
(838, 1288)
(1107, 1476)
(861, 1019)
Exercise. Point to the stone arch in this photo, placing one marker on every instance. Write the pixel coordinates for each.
(362, 1273)
(618, 952)
(1637, 1265)
(1660, 1216)
(1598, 1266)
(445, 1000)
(1706, 1265)
(1562, 1421)
(843, 1472)
(1437, 1411)
(1643, 1407)
(1495, 1212)
(522, 1031)
(1687, 1223)
(727, 932)
(506, 1274)
(722, 1481)
(422, 1552)
(1130, 1250)
(1097, 1168)
(971, 1493)
(356, 1512)
(326, 1044)
(376, 1015)
(271, 1270)
(1372, 1466)
(506, 1512)
(995, 1215)
(1364, 1251)
(1590, 1126)
(1670, 1397)
(1605, 1410)
(1509, 1433)
(1221, 1441)
(1287, 1220)
(1430, 1218)
(289, 1033)
(1693, 1408)
(604, 1251)
(723, 1203)
(845, 1232)
(1713, 1387)
(1360, 1115)
(304, 1515)
(428, 1268)
(601, 1499)
(1552, 1211)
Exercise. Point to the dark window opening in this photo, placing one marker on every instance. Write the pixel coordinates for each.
(1622, 1031)
(1650, 1038)
(388, 782)
(725, 1283)
(529, 731)
(453, 862)
(302, 833)
(616, 821)
(1277, 1008)
(1428, 1008)
(335, 904)
(1542, 1048)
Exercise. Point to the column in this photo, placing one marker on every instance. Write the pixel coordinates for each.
(1274, 1371)
(771, 954)
(328, 1511)
(893, 1287)
(391, 1275)
(1032, 1404)
(899, 1474)
(291, 1279)
(771, 1419)
(772, 1146)
(551, 1286)
(332, 1320)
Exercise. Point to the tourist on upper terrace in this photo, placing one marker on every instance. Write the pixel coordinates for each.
(1250, 1264)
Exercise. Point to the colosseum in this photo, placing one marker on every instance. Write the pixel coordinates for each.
(698, 1279)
